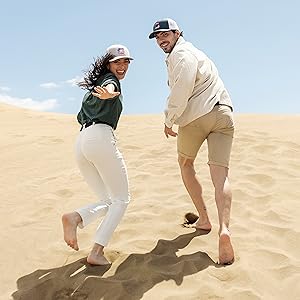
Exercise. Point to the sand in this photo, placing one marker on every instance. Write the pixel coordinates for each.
(152, 256)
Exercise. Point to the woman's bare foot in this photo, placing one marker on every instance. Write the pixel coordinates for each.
(98, 260)
(226, 254)
(70, 222)
(96, 257)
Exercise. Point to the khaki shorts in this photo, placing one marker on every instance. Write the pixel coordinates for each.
(217, 127)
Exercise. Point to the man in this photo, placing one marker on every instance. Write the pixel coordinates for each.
(201, 107)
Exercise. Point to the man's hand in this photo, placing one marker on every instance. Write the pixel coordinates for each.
(169, 131)
(103, 93)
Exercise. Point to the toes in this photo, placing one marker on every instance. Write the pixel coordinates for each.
(73, 245)
(226, 262)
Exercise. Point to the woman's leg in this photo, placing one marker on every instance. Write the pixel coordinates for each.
(108, 161)
(85, 215)
(92, 211)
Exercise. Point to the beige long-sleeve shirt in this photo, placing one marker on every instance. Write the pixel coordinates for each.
(195, 85)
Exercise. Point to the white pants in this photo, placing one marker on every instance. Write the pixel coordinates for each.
(102, 166)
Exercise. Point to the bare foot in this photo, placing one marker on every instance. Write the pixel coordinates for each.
(226, 254)
(70, 222)
(203, 226)
(98, 260)
(193, 221)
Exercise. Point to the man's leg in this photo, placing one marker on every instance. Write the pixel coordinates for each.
(223, 196)
(194, 189)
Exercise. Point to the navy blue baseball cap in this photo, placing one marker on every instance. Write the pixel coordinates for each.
(163, 25)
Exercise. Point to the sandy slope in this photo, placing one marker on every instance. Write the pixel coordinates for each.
(153, 256)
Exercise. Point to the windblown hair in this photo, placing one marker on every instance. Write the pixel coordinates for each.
(96, 70)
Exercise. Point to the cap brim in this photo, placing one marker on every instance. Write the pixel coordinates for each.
(119, 57)
(152, 34)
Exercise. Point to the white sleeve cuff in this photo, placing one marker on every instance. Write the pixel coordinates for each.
(168, 123)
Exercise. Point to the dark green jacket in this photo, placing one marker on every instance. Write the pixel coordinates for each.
(103, 111)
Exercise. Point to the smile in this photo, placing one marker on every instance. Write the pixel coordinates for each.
(165, 44)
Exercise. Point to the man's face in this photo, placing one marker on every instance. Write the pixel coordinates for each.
(166, 40)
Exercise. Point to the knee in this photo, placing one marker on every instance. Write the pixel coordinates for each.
(185, 163)
(122, 201)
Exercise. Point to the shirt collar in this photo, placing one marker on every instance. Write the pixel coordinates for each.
(180, 41)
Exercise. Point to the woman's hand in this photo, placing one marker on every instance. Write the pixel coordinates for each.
(104, 93)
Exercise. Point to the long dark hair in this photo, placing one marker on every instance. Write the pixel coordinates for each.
(96, 69)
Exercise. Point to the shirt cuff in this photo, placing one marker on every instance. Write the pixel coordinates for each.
(168, 123)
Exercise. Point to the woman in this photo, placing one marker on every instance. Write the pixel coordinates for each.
(98, 158)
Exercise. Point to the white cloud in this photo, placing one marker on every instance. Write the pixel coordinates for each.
(29, 103)
(53, 85)
(4, 89)
(49, 85)
(74, 81)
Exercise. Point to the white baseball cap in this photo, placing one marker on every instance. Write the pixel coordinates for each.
(118, 51)
(163, 25)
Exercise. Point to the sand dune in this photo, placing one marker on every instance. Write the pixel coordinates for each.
(153, 256)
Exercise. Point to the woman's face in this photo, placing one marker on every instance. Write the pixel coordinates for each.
(119, 67)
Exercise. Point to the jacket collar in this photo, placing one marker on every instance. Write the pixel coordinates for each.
(180, 41)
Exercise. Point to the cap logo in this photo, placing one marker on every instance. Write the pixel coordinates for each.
(156, 25)
(121, 51)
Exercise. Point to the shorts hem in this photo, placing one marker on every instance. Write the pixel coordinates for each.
(185, 155)
(216, 163)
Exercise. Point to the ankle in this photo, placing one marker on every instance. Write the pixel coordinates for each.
(77, 217)
(97, 249)
(224, 230)
(203, 216)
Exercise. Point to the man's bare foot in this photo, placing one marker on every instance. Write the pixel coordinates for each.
(226, 254)
(203, 226)
(193, 221)
(70, 222)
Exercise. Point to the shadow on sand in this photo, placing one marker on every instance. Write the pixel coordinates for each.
(136, 275)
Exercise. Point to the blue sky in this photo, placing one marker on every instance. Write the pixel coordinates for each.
(46, 45)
